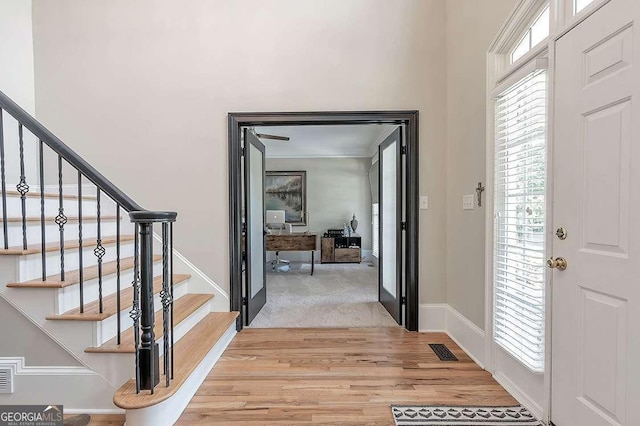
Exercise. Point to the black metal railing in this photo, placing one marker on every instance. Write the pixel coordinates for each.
(142, 304)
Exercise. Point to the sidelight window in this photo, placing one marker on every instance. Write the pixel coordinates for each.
(519, 219)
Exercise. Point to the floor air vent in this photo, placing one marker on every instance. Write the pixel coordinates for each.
(443, 352)
(6, 380)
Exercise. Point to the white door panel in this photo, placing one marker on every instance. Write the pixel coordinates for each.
(596, 300)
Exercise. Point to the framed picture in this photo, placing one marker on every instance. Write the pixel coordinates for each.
(287, 191)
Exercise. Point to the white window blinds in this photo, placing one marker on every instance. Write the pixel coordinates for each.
(519, 235)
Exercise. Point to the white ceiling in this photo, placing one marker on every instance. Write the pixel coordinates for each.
(353, 140)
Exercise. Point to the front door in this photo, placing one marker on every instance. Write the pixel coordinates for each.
(255, 289)
(390, 187)
(596, 156)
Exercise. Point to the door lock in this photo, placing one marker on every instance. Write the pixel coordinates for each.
(559, 263)
(561, 233)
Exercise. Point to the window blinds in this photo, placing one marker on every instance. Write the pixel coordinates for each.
(520, 207)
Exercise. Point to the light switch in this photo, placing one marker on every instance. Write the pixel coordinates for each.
(468, 202)
(424, 202)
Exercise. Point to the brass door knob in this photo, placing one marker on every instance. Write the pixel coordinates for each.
(558, 263)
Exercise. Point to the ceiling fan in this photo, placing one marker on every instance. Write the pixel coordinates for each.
(273, 137)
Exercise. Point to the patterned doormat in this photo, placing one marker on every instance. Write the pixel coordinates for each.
(431, 415)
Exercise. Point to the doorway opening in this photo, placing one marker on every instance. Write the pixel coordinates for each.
(277, 230)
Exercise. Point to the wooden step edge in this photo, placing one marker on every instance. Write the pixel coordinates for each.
(68, 245)
(51, 195)
(73, 277)
(184, 307)
(109, 303)
(50, 220)
(189, 353)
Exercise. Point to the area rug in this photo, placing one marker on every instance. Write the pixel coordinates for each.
(431, 415)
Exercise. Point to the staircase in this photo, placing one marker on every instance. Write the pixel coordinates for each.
(81, 261)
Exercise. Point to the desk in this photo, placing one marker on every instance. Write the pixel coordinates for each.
(293, 242)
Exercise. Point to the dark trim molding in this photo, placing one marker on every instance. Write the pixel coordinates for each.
(237, 120)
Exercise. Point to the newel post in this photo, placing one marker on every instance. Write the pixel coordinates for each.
(148, 364)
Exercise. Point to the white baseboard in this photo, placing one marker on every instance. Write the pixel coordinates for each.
(441, 317)
(519, 395)
(433, 317)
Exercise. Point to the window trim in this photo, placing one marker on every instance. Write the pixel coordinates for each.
(500, 71)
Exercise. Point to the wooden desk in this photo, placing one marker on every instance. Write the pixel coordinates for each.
(293, 242)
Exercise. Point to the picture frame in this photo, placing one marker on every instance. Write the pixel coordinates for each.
(287, 190)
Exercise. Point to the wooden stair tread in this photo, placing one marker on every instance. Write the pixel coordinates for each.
(50, 195)
(73, 277)
(182, 308)
(68, 245)
(109, 303)
(189, 352)
(31, 219)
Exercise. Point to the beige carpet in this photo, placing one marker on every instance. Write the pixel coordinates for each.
(337, 295)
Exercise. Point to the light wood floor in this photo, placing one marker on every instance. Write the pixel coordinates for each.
(335, 376)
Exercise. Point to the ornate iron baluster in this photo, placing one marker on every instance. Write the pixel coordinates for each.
(80, 243)
(135, 312)
(118, 302)
(4, 186)
(61, 219)
(171, 287)
(43, 224)
(22, 188)
(99, 252)
(165, 297)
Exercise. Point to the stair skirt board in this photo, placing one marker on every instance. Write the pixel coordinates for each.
(168, 411)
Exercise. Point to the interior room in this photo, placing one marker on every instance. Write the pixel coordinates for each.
(322, 185)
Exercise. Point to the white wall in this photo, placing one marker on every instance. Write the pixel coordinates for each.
(17, 82)
(471, 26)
(336, 189)
(127, 80)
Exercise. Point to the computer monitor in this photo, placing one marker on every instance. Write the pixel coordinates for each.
(275, 218)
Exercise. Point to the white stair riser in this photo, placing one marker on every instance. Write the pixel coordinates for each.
(183, 327)
(108, 328)
(69, 297)
(71, 231)
(52, 206)
(31, 265)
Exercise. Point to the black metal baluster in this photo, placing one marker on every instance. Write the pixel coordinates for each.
(22, 188)
(118, 302)
(165, 297)
(61, 219)
(43, 225)
(171, 278)
(99, 252)
(80, 244)
(4, 186)
(135, 312)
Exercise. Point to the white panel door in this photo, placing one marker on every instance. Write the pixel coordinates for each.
(596, 300)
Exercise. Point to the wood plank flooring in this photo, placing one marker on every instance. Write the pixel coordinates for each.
(335, 376)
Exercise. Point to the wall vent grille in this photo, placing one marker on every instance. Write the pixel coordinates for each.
(6, 380)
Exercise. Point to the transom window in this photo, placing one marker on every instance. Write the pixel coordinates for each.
(536, 33)
(578, 5)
